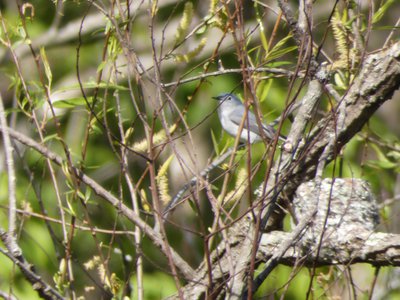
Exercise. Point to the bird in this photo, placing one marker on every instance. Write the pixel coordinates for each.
(230, 113)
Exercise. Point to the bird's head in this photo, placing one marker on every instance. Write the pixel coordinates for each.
(226, 97)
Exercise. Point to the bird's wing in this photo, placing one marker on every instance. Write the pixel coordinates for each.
(237, 115)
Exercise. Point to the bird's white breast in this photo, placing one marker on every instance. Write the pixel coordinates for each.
(232, 128)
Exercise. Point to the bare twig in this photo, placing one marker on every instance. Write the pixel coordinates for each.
(275, 71)
(44, 289)
(7, 296)
(11, 241)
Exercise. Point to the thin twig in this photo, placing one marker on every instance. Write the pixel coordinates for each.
(7, 296)
(11, 241)
(44, 289)
(279, 253)
(175, 200)
(276, 71)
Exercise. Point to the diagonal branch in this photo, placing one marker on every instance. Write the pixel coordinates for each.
(184, 268)
(44, 290)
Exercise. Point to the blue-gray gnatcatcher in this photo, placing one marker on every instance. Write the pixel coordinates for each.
(231, 111)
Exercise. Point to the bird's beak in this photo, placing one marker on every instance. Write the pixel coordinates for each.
(215, 98)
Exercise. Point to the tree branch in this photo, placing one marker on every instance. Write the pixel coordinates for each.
(378, 79)
(186, 270)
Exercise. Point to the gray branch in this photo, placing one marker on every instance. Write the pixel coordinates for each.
(11, 241)
(43, 288)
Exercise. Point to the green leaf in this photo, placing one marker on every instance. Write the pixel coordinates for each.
(394, 154)
(215, 143)
(341, 81)
(21, 31)
(263, 89)
(71, 206)
(277, 64)
(263, 38)
(88, 194)
(275, 54)
(72, 102)
(91, 85)
(101, 66)
(227, 145)
(385, 28)
(202, 29)
(382, 162)
(278, 50)
(382, 11)
(192, 206)
(105, 85)
(47, 69)
(81, 195)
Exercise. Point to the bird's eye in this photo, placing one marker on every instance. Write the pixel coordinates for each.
(229, 98)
